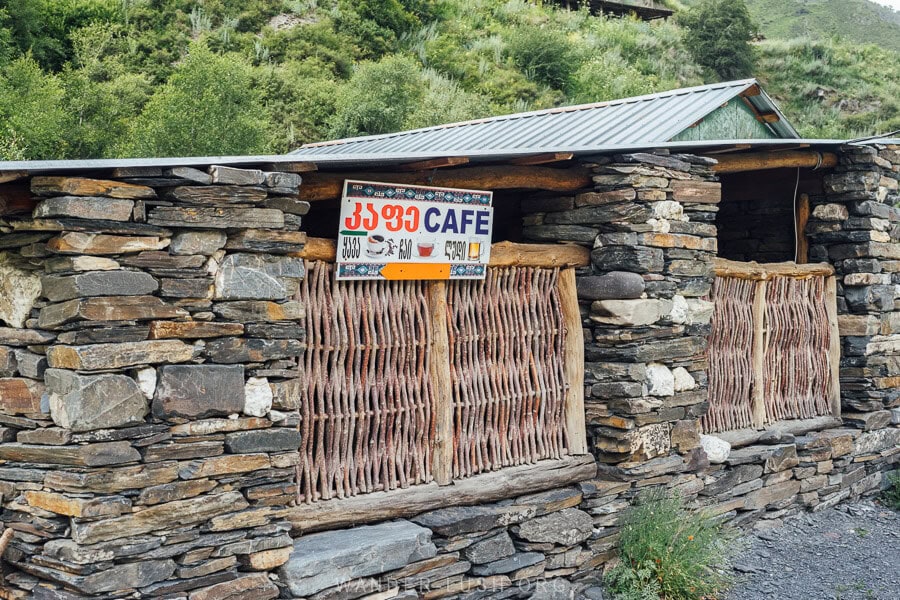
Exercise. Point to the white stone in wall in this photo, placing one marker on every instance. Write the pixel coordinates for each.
(146, 379)
(629, 313)
(690, 311)
(659, 225)
(683, 380)
(258, 397)
(660, 380)
(669, 210)
(717, 449)
(18, 291)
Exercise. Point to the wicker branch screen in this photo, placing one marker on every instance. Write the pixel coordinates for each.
(367, 403)
(774, 347)
(507, 340)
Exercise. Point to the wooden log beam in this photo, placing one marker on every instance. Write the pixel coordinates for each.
(801, 219)
(765, 271)
(549, 256)
(758, 161)
(329, 186)
(758, 356)
(503, 254)
(439, 360)
(434, 163)
(291, 167)
(7, 176)
(574, 365)
(834, 347)
(404, 503)
(542, 159)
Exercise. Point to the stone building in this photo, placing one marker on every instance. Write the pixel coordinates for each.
(680, 293)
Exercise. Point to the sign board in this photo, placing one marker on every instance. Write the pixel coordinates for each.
(393, 232)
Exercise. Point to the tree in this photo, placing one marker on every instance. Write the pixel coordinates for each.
(718, 36)
(209, 106)
(378, 98)
(33, 122)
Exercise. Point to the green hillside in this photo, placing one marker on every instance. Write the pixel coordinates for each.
(858, 21)
(108, 78)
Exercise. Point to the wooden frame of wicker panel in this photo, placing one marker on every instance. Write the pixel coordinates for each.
(565, 258)
(756, 281)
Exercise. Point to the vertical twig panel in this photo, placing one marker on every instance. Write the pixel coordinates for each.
(507, 353)
(774, 351)
(366, 401)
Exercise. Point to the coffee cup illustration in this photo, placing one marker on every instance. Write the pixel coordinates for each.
(376, 245)
(425, 249)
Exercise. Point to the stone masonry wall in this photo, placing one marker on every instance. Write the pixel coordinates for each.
(146, 401)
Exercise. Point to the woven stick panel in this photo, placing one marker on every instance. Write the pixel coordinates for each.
(730, 366)
(507, 369)
(366, 413)
(797, 370)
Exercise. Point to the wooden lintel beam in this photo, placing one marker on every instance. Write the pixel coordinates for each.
(787, 148)
(434, 163)
(329, 186)
(503, 254)
(291, 167)
(16, 198)
(542, 159)
(753, 90)
(758, 161)
(764, 271)
(479, 489)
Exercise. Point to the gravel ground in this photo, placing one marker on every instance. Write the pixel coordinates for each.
(845, 553)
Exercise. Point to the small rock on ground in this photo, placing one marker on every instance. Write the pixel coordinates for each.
(850, 552)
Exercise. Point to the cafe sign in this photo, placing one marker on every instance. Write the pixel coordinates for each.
(392, 232)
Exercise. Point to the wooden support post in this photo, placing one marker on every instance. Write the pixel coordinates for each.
(758, 356)
(802, 218)
(439, 368)
(574, 365)
(834, 347)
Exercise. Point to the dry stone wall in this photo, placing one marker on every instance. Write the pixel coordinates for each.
(148, 399)
(149, 435)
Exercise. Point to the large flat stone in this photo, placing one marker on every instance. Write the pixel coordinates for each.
(81, 186)
(259, 311)
(244, 350)
(566, 528)
(279, 439)
(457, 520)
(85, 207)
(199, 391)
(99, 357)
(88, 402)
(75, 242)
(216, 218)
(630, 313)
(258, 277)
(197, 242)
(324, 560)
(256, 586)
(97, 283)
(110, 308)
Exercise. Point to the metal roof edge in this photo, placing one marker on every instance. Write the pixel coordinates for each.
(743, 84)
(165, 162)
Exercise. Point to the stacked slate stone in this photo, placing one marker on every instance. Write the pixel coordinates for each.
(509, 549)
(651, 222)
(148, 395)
(856, 227)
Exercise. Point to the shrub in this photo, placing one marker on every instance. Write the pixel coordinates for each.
(719, 35)
(208, 107)
(891, 495)
(545, 55)
(33, 121)
(670, 552)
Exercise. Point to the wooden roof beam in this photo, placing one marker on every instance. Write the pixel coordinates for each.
(758, 161)
(542, 159)
(434, 163)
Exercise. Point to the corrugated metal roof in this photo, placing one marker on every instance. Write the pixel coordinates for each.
(642, 120)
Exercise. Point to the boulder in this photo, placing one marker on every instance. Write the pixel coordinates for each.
(19, 289)
(258, 277)
(490, 549)
(660, 380)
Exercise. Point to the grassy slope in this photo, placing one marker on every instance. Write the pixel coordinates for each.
(858, 21)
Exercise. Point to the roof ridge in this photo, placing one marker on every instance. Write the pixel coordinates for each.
(739, 83)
